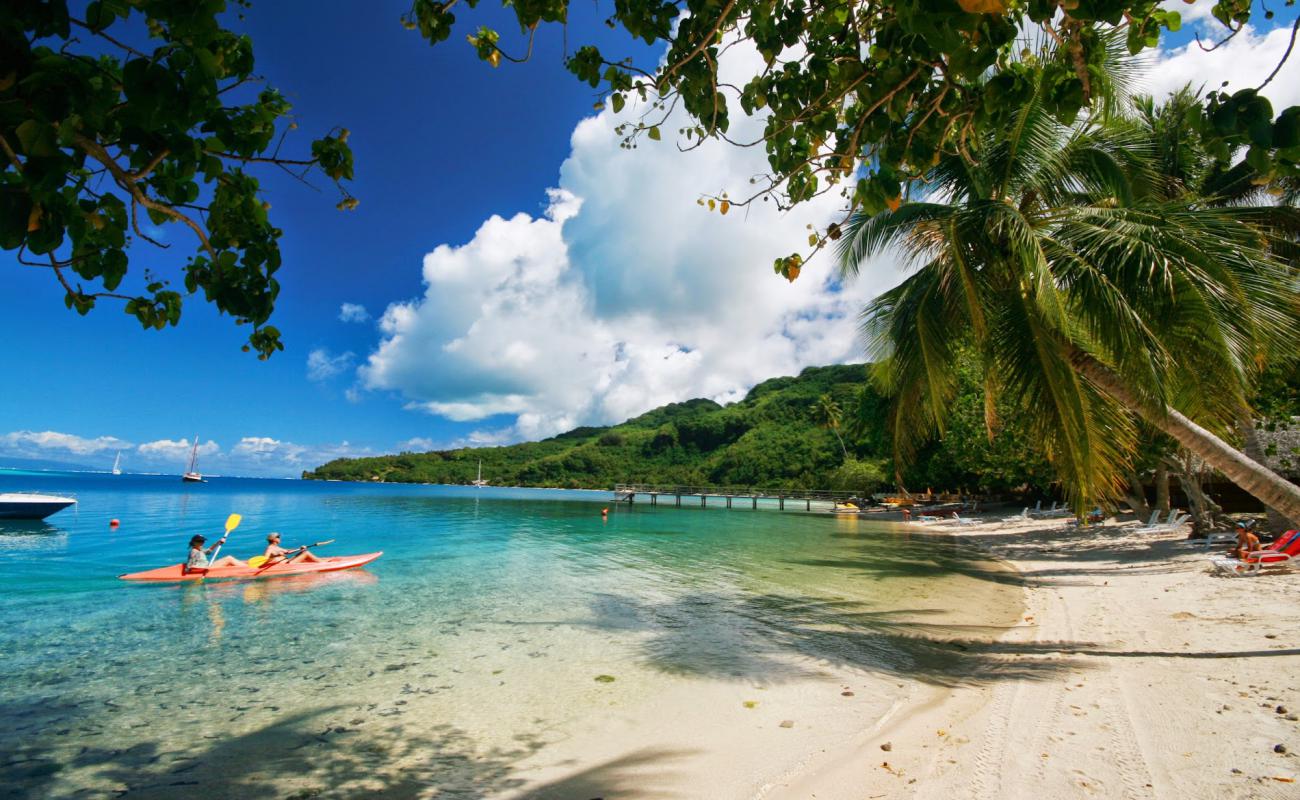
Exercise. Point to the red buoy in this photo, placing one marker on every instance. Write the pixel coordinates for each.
(112, 523)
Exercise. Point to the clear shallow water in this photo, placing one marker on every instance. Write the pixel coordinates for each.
(474, 642)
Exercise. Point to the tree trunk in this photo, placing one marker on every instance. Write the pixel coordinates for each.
(1137, 496)
(1261, 482)
(836, 430)
(1205, 512)
(1162, 487)
(1251, 447)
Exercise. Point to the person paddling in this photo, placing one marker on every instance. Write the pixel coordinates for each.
(275, 553)
(198, 557)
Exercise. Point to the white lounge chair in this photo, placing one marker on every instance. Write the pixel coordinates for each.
(1173, 522)
(1063, 511)
(1215, 539)
(960, 520)
(1252, 566)
(1021, 517)
(1150, 523)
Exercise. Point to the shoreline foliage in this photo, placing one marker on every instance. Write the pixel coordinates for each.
(774, 438)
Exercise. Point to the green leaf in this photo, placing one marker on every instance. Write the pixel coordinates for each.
(653, 132)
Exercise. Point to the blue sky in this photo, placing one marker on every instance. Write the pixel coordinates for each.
(517, 311)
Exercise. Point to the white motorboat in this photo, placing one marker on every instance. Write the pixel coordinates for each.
(29, 505)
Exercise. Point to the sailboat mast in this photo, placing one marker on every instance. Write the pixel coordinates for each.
(194, 454)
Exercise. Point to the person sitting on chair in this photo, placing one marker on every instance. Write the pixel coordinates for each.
(274, 552)
(1247, 541)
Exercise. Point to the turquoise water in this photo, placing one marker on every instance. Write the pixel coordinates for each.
(475, 641)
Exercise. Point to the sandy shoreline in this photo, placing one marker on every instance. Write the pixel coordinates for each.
(1133, 673)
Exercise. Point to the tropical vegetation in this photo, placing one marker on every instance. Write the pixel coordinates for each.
(144, 113)
(775, 438)
(857, 98)
(1095, 286)
(860, 98)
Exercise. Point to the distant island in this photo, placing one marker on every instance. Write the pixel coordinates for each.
(779, 436)
(46, 465)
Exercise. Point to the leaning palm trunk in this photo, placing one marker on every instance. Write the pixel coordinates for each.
(1251, 447)
(1262, 483)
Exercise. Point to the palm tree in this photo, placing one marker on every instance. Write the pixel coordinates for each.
(1186, 168)
(1089, 297)
(830, 414)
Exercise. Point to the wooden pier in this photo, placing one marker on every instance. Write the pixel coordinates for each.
(731, 496)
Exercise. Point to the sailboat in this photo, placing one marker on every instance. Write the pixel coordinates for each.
(479, 482)
(192, 474)
(117, 463)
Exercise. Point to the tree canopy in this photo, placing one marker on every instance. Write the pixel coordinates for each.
(1093, 290)
(146, 112)
(861, 97)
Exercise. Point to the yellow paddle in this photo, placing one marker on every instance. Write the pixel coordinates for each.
(258, 561)
(232, 522)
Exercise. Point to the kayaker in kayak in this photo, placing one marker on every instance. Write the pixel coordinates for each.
(274, 552)
(198, 557)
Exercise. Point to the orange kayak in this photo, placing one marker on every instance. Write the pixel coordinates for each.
(176, 571)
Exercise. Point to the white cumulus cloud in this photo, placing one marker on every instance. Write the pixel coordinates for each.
(623, 294)
(353, 312)
(416, 444)
(176, 449)
(323, 365)
(1244, 63)
(264, 448)
(29, 442)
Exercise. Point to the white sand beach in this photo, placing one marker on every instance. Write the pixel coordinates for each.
(1133, 673)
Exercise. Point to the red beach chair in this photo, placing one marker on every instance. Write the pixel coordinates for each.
(1278, 554)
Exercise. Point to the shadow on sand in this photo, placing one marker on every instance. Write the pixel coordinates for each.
(296, 757)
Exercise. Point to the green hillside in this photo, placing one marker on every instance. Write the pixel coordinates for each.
(772, 438)
(775, 438)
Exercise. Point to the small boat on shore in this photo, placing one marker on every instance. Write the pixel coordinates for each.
(192, 474)
(25, 505)
(176, 572)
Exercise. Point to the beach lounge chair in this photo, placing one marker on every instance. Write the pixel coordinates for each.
(1174, 521)
(960, 520)
(1213, 539)
(1278, 554)
(1057, 510)
(1021, 517)
(1063, 511)
(1151, 523)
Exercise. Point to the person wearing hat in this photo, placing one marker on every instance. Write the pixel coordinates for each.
(198, 558)
(1247, 541)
